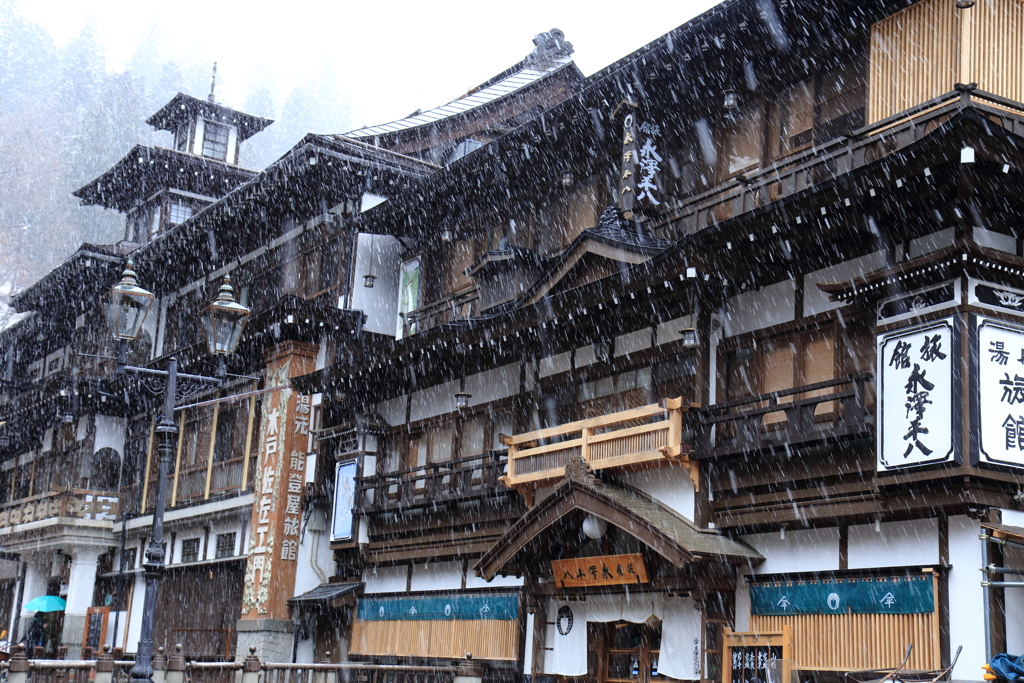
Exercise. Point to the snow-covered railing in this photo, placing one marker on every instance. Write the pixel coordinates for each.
(74, 503)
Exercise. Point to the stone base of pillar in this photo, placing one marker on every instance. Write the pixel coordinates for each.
(272, 639)
(72, 634)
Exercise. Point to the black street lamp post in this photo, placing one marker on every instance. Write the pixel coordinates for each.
(127, 305)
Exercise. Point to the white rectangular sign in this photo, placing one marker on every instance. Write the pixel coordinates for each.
(998, 422)
(344, 500)
(917, 411)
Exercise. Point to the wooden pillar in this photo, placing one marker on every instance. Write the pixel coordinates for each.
(277, 510)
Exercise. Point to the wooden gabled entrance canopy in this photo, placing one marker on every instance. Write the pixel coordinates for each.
(659, 528)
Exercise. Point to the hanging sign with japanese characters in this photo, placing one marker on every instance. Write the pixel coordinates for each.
(918, 392)
(599, 571)
(273, 548)
(640, 182)
(997, 420)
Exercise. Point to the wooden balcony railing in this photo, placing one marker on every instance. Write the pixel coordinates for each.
(75, 503)
(842, 407)
(447, 481)
(843, 154)
(457, 306)
(642, 436)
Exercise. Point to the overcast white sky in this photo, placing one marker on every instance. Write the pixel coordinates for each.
(392, 57)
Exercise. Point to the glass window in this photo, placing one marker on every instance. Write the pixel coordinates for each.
(131, 556)
(225, 545)
(797, 113)
(179, 213)
(190, 550)
(472, 437)
(181, 137)
(741, 142)
(215, 141)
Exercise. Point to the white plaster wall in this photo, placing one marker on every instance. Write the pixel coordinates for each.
(754, 310)
(995, 240)
(1013, 517)
(370, 200)
(671, 486)
(135, 620)
(897, 544)
(742, 600)
(493, 385)
(380, 303)
(385, 579)
(931, 242)
(528, 648)
(392, 411)
(803, 550)
(633, 342)
(433, 401)
(109, 433)
(36, 575)
(474, 581)
(668, 331)
(315, 564)
(816, 301)
(437, 576)
(966, 620)
(304, 651)
(552, 365)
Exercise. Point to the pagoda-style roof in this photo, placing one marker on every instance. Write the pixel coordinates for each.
(183, 108)
(147, 170)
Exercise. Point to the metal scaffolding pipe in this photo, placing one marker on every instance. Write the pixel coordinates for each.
(1003, 584)
(992, 569)
(985, 605)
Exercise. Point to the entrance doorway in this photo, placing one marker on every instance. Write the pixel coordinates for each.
(624, 652)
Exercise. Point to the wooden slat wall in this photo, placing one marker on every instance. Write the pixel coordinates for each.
(838, 642)
(483, 638)
(921, 52)
(915, 56)
(996, 34)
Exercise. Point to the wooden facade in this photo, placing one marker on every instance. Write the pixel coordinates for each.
(548, 374)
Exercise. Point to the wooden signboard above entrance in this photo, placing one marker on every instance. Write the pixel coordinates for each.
(607, 570)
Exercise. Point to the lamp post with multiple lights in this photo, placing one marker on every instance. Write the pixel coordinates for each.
(127, 305)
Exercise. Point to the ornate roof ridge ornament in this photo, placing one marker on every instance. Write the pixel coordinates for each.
(611, 217)
(578, 470)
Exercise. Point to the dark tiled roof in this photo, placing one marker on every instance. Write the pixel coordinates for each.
(326, 592)
(184, 108)
(697, 541)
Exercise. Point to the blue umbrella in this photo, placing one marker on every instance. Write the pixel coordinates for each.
(46, 603)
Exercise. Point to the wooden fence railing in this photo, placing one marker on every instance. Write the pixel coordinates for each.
(835, 408)
(76, 503)
(175, 669)
(649, 434)
(446, 481)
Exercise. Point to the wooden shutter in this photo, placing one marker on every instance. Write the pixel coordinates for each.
(777, 374)
(818, 364)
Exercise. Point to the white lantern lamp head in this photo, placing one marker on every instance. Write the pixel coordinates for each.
(689, 337)
(127, 305)
(224, 320)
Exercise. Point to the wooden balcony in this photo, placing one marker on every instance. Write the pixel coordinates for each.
(457, 306)
(642, 437)
(838, 408)
(102, 506)
(436, 483)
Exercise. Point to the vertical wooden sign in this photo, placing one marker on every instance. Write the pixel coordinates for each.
(277, 509)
